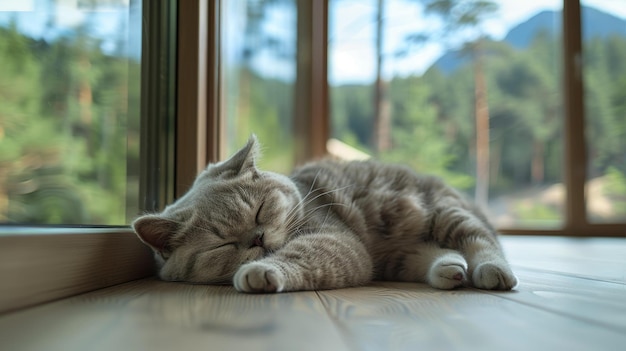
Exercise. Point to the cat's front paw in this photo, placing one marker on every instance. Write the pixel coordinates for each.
(494, 276)
(259, 277)
(448, 272)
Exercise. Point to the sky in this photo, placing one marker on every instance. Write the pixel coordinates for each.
(352, 52)
(113, 21)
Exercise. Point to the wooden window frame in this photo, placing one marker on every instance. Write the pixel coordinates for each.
(311, 105)
(42, 264)
(575, 223)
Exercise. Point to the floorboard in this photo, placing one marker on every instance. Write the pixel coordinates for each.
(571, 296)
(598, 258)
(596, 301)
(403, 316)
(155, 315)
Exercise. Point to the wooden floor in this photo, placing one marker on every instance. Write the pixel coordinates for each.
(572, 296)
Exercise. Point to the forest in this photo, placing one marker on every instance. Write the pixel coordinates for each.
(69, 131)
(69, 126)
(433, 127)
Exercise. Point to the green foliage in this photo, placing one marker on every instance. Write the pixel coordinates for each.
(536, 214)
(417, 135)
(63, 131)
(460, 14)
(615, 189)
(264, 107)
(352, 114)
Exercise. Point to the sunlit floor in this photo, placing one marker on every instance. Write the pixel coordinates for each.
(572, 296)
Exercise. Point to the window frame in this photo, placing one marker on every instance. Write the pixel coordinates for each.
(311, 105)
(45, 263)
(575, 222)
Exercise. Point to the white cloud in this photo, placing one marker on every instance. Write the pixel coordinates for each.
(614, 7)
(17, 5)
(352, 64)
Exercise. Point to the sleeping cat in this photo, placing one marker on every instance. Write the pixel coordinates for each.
(329, 225)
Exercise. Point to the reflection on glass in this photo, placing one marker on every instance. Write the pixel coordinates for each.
(259, 69)
(69, 111)
(477, 102)
(604, 50)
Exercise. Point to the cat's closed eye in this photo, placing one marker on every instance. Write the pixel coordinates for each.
(257, 218)
(224, 245)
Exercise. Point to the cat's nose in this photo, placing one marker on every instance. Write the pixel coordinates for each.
(258, 241)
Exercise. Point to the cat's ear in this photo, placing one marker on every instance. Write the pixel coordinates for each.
(155, 231)
(241, 162)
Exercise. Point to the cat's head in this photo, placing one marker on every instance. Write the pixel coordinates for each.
(233, 213)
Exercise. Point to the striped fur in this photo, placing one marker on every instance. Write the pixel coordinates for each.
(330, 225)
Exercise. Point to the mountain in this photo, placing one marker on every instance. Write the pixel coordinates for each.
(595, 23)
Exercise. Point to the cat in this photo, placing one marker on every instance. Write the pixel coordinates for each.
(331, 224)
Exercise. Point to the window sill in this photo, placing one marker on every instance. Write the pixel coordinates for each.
(44, 264)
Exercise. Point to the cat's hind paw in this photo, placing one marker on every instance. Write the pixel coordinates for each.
(494, 276)
(448, 272)
(259, 277)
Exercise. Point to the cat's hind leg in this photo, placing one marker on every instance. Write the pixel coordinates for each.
(487, 265)
(448, 271)
(460, 229)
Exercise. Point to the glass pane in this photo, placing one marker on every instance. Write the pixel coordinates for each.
(259, 71)
(474, 99)
(69, 111)
(604, 50)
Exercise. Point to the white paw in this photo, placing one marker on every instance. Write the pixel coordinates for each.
(257, 277)
(448, 272)
(494, 276)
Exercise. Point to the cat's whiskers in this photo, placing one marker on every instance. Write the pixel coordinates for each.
(326, 217)
(293, 211)
(311, 190)
(312, 184)
(309, 214)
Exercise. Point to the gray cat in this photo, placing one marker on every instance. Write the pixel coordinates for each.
(330, 225)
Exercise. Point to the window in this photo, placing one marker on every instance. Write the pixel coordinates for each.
(260, 66)
(604, 89)
(475, 94)
(76, 77)
(478, 99)
(469, 93)
(69, 112)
